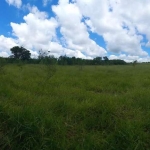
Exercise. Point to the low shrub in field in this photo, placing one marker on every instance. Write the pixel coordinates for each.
(51, 70)
(2, 64)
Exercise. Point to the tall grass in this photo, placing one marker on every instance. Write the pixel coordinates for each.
(61, 107)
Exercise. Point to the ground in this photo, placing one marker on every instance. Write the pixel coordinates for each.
(46, 107)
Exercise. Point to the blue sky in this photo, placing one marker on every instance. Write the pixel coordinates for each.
(84, 29)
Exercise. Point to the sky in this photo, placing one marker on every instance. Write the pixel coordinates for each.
(118, 29)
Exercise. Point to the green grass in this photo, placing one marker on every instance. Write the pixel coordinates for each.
(66, 108)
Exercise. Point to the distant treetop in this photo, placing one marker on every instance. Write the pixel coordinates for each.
(20, 53)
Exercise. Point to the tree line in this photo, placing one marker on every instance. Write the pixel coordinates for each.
(20, 54)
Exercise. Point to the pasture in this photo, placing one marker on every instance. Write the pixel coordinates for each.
(46, 107)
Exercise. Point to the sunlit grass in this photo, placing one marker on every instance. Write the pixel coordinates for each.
(66, 108)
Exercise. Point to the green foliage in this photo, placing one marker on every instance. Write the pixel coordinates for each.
(134, 63)
(97, 60)
(51, 71)
(20, 53)
(105, 58)
(46, 107)
(20, 65)
(64, 60)
(2, 64)
(45, 58)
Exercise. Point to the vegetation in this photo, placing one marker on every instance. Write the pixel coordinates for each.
(2, 64)
(134, 63)
(64, 60)
(45, 107)
(45, 104)
(20, 53)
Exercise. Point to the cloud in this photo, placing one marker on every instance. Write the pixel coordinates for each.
(130, 58)
(45, 2)
(74, 31)
(148, 44)
(122, 42)
(37, 30)
(127, 58)
(118, 23)
(16, 3)
(123, 25)
(5, 45)
(4, 54)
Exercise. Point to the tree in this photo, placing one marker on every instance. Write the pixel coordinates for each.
(134, 63)
(97, 60)
(105, 58)
(43, 54)
(45, 57)
(20, 53)
(62, 60)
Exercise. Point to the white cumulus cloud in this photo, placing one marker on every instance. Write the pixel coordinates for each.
(124, 26)
(118, 23)
(75, 31)
(5, 45)
(37, 30)
(16, 3)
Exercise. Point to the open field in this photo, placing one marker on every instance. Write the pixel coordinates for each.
(74, 108)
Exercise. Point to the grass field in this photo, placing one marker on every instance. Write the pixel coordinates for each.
(74, 108)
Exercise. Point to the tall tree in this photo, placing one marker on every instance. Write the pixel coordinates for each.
(20, 53)
(105, 58)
